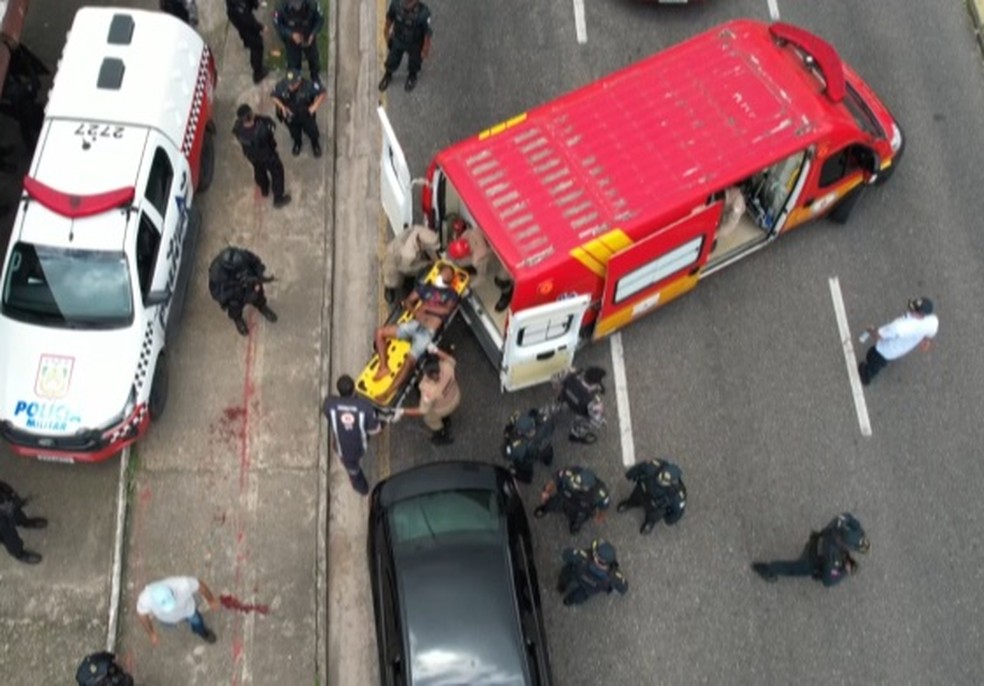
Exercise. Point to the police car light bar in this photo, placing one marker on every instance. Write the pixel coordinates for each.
(76, 206)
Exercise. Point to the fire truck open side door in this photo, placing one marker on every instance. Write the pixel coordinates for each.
(395, 182)
(656, 269)
(541, 341)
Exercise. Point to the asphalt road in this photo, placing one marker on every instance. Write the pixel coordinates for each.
(744, 381)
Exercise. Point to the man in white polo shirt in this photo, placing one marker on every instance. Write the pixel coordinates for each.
(917, 327)
(172, 600)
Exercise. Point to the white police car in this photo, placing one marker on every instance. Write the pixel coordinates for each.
(104, 239)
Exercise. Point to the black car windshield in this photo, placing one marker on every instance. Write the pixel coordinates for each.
(433, 515)
(68, 288)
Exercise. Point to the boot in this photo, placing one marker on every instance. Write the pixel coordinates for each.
(539, 512)
(623, 506)
(763, 571)
(260, 75)
(503, 301)
(29, 558)
(442, 437)
(316, 148)
(270, 315)
(646, 527)
(502, 283)
(390, 295)
(209, 636)
(411, 82)
(385, 81)
(241, 327)
(586, 439)
(296, 150)
(281, 201)
(35, 523)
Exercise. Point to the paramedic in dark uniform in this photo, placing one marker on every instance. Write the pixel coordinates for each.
(298, 22)
(659, 489)
(352, 421)
(235, 279)
(297, 101)
(576, 492)
(255, 134)
(827, 555)
(408, 30)
(589, 571)
(185, 10)
(12, 516)
(240, 13)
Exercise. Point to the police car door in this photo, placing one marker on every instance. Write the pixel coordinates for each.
(395, 183)
(540, 342)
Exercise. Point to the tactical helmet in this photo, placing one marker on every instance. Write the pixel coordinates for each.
(525, 424)
(244, 112)
(459, 249)
(594, 375)
(603, 551)
(851, 534)
(232, 258)
(293, 77)
(583, 480)
(668, 473)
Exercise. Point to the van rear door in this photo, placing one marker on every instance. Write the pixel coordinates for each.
(395, 183)
(541, 341)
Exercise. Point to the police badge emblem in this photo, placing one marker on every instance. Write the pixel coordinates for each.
(54, 376)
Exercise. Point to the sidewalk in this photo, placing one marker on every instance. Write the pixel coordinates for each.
(230, 485)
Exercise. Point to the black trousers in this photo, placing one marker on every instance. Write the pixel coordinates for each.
(269, 171)
(9, 535)
(251, 33)
(304, 122)
(873, 363)
(804, 565)
(640, 498)
(569, 577)
(255, 298)
(576, 515)
(296, 53)
(395, 56)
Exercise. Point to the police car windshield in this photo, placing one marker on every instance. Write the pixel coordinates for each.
(68, 288)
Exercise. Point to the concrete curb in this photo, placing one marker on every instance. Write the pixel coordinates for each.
(976, 9)
(116, 570)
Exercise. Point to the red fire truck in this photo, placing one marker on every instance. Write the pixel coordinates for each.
(618, 197)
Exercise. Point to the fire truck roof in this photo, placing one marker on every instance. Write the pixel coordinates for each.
(647, 142)
(128, 67)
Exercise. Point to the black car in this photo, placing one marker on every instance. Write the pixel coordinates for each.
(453, 582)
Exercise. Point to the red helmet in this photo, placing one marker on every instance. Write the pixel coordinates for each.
(459, 249)
(458, 225)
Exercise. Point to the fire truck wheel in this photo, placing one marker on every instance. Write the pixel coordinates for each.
(207, 164)
(158, 389)
(842, 211)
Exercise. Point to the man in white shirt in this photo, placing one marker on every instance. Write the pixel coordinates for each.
(172, 600)
(917, 327)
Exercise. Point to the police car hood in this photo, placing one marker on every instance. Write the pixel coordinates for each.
(57, 381)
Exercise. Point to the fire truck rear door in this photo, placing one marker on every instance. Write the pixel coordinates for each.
(540, 342)
(394, 179)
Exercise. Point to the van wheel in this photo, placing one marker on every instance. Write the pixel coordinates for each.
(206, 166)
(842, 211)
(158, 389)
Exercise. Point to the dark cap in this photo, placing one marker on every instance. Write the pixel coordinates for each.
(594, 374)
(603, 551)
(669, 473)
(244, 112)
(583, 480)
(293, 77)
(923, 306)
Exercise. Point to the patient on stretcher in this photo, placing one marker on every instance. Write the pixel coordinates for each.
(431, 304)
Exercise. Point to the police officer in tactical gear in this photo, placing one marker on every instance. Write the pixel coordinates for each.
(576, 492)
(101, 669)
(240, 13)
(588, 571)
(297, 101)
(527, 439)
(659, 489)
(580, 392)
(12, 516)
(298, 22)
(827, 555)
(185, 10)
(235, 279)
(407, 30)
(255, 134)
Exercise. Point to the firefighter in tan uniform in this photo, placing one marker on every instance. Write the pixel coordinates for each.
(406, 255)
(439, 395)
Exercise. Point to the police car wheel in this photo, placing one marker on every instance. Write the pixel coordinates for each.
(206, 169)
(158, 389)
